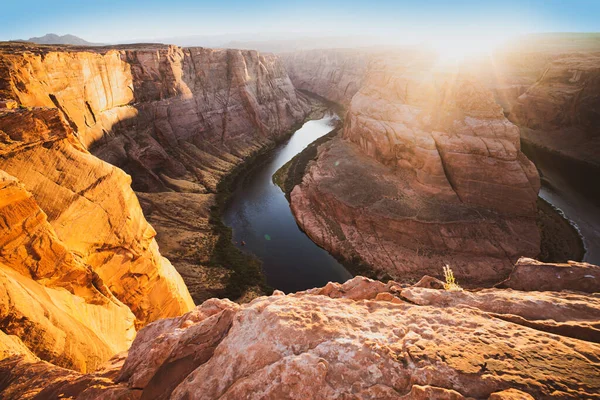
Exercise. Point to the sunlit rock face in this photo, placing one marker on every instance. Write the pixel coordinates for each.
(176, 120)
(363, 340)
(77, 255)
(428, 172)
(52, 304)
(80, 264)
(133, 105)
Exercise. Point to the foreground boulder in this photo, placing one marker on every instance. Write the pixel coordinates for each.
(363, 339)
(529, 274)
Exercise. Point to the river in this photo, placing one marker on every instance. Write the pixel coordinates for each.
(260, 215)
(572, 189)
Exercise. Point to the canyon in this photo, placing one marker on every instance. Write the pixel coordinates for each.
(176, 120)
(397, 179)
(117, 161)
(74, 231)
(428, 171)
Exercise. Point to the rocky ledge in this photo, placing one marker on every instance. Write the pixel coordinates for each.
(362, 340)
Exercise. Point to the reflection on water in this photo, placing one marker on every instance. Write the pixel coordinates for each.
(261, 217)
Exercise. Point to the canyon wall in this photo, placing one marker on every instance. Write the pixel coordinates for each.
(177, 120)
(561, 111)
(80, 263)
(362, 339)
(52, 301)
(428, 172)
(335, 74)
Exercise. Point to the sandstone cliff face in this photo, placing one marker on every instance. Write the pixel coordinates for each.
(134, 104)
(562, 109)
(74, 241)
(428, 172)
(177, 120)
(333, 74)
(52, 304)
(78, 191)
(363, 339)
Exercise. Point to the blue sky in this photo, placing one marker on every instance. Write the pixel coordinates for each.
(122, 20)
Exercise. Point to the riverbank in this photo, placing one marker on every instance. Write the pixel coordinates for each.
(581, 174)
(570, 202)
(192, 236)
(291, 174)
(560, 239)
(247, 279)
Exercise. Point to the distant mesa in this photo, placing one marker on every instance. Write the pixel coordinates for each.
(52, 38)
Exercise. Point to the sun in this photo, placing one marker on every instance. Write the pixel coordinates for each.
(458, 50)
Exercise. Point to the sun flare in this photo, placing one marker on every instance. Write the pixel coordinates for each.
(457, 50)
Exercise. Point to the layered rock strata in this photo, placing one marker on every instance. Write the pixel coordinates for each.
(335, 74)
(562, 109)
(428, 172)
(177, 120)
(79, 262)
(93, 211)
(363, 339)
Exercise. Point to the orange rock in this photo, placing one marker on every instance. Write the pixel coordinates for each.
(8, 104)
(451, 345)
(78, 191)
(176, 120)
(510, 394)
(52, 304)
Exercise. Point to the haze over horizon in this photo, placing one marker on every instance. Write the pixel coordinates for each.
(395, 22)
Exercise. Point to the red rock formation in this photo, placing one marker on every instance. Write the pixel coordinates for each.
(363, 339)
(562, 109)
(333, 74)
(52, 304)
(74, 238)
(177, 120)
(428, 172)
(78, 191)
(162, 113)
(529, 274)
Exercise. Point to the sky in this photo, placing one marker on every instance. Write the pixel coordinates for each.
(111, 21)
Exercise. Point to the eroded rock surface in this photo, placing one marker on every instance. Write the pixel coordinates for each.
(335, 74)
(176, 119)
(363, 339)
(562, 109)
(93, 211)
(428, 172)
(529, 274)
(52, 304)
(77, 255)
